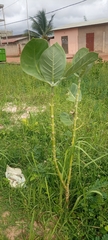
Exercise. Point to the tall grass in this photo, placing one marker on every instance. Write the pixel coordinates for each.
(27, 144)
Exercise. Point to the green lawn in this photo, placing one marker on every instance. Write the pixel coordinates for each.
(36, 211)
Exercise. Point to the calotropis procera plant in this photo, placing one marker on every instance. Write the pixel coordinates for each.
(48, 64)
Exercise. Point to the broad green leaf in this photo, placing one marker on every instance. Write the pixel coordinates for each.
(79, 54)
(30, 57)
(73, 92)
(52, 63)
(65, 118)
(81, 60)
(84, 71)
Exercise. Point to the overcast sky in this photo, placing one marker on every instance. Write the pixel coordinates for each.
(16, 10)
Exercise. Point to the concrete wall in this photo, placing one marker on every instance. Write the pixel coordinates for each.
(106, 39)
(14, 49)
(11, 49)
(72, 40)
(100, 37)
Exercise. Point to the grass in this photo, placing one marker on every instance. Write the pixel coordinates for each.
(26, 143)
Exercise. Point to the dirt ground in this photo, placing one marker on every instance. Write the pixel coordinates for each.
(104, 57)
(16, 60)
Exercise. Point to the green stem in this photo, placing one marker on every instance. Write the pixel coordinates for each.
(53, 139)
(72, 144)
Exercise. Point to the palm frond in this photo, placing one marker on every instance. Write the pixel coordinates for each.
(41, 26)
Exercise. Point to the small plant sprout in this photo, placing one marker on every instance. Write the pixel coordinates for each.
(48, 64)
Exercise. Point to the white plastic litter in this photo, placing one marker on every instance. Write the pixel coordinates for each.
(15, 176)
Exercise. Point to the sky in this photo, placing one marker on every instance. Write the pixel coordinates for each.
(16, 10)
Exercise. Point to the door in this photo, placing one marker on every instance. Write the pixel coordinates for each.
(90, 41)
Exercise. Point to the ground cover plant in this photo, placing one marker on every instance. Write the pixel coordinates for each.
(38, 210)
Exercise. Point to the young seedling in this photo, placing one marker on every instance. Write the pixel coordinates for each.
(48, 64)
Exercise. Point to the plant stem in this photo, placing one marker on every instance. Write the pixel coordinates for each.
(73, 144)
(53, 139)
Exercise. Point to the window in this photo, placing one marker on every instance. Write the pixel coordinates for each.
(64, 41)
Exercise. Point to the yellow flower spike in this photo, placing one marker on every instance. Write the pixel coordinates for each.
(24, 121)
(36, 123)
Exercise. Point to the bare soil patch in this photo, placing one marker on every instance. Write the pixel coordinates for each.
(22, 112)
(104, 57)
(12, 232)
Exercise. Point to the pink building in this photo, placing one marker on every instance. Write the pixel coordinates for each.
(93, 35)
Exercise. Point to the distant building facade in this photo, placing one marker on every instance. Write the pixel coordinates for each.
(14, 44)
(92, 35)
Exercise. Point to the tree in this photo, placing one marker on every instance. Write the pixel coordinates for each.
(42, 28)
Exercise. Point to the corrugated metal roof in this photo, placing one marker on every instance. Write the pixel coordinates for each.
(83, 24)
(12, 40)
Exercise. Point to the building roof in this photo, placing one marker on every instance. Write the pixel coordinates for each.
(12, 40)
(83, 24)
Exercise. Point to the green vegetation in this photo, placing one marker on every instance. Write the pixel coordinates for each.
(41, 27)
(48, 64)
(26, 143)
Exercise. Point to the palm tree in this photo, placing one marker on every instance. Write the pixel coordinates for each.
(42, 28)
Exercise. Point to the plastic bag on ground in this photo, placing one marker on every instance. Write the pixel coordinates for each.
(15, 176)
